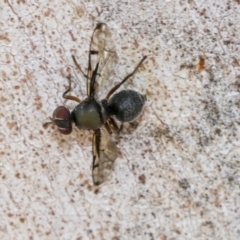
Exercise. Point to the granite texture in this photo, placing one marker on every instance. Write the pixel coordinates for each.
(177, 175)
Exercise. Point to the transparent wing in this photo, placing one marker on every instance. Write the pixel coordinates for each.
(102, 56)
(104, 156)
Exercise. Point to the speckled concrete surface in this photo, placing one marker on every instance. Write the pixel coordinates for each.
(177, 175)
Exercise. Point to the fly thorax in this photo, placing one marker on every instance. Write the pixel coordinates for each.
(89, 115)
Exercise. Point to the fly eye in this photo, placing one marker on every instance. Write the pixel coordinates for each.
(62, 119)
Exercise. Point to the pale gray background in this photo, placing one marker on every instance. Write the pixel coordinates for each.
(177, 174)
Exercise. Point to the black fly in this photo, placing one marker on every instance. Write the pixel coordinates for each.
(92, 114)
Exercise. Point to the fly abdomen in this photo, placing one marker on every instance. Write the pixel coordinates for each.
(126, 105)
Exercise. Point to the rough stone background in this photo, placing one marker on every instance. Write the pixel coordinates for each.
(177, 175)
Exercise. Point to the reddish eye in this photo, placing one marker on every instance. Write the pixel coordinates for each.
(62, 118)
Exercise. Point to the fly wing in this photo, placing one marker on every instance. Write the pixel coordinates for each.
(101, 54)
(104, 156)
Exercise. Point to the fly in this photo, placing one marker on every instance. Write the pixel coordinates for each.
(100, 115)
